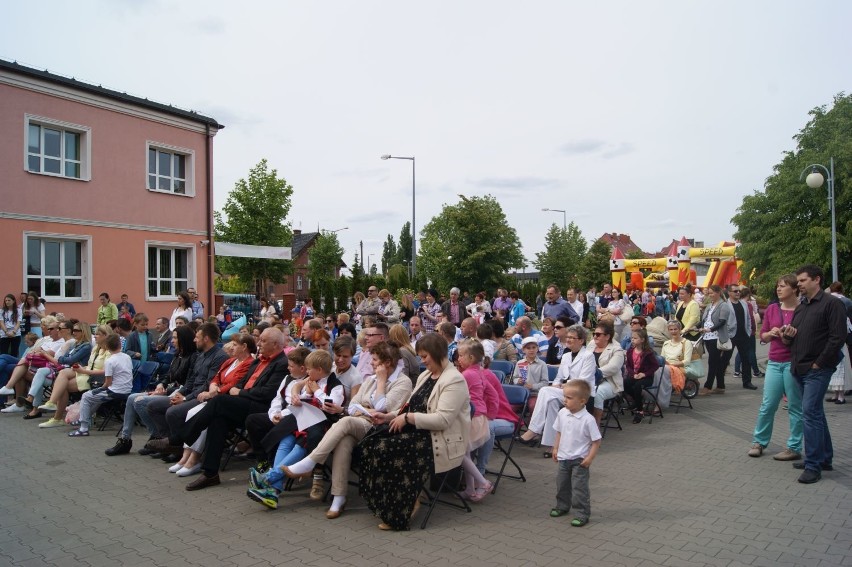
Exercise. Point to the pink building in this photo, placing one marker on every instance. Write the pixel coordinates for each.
(102, 192)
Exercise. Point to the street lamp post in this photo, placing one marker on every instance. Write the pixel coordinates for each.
(814, 180)
(564, 216)
(413, 216)
(338, 230)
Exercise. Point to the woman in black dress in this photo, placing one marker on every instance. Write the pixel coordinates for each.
(427, 435)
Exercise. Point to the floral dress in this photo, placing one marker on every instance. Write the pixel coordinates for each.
(394, 467)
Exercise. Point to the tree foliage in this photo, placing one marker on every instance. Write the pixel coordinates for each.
(324, 259)
(397, 277)
(559, 263)
(594, 269)
(469, 245)
(787, 224)
(255, 213)
(389, 254)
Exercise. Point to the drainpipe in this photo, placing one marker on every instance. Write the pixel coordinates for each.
(210, 290)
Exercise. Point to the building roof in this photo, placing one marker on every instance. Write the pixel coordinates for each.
(101, 91)
(621, 241)
(302, 241)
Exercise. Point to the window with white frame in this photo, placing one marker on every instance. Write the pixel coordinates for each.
(170, 169)
(57, 266)
(168, 271)
(299, 282)
(57, 148)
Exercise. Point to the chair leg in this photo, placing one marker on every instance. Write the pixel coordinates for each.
(434, 500)
(507, 458)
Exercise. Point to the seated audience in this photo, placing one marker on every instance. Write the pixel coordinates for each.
(641, 363)
(610, 360)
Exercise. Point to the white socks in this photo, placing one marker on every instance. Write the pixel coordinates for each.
(306, 465)
(337, 503)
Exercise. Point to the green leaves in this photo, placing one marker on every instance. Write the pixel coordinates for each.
(788, 224)
(469, 245)
(255, 213)
(564, 249)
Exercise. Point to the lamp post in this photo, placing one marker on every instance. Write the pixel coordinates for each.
(338, 230)
(814, 180)
(413, 209)
(564, 216)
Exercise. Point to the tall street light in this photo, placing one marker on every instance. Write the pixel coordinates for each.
(814, 180)
(413, 209)
(564, 217)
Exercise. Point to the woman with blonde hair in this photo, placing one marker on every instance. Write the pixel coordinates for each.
(410, 360)
(77, 378)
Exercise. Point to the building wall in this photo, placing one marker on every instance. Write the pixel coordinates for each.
(113, 208)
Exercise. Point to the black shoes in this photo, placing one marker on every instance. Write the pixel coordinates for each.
(824, 466)
(122, 447)
(749, 386)
(810, 477)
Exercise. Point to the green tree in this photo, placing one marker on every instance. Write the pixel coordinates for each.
(389, 252)
(230, 284)
(255, 213)
(564, 250)
(397, 277)
(469, 245)
(324, 259)
(357, 283)
(403, 255)
(788, 224)
(594, 269)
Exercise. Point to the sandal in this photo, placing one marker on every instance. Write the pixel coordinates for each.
(638, 417)
(557, 513)
(35, 415)
(78, 433)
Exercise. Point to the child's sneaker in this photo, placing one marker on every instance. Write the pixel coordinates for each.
(579, 522)
(267, 496)
(257, 480)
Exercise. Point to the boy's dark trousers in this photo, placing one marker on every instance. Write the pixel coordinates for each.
(572, 488)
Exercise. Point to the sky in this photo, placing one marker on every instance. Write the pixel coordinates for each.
(648, 118)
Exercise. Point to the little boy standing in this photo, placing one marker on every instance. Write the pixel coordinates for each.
(118, 383)
(577, 440)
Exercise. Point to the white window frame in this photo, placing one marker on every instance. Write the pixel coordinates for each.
(85, 267)
(85, 133)
(299, 282)
(190, 268)
(189, 167)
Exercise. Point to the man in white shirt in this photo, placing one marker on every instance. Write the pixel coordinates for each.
(574, 301)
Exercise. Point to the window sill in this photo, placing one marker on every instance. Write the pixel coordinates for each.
(57, 175)
(52, 300)
(172, 193)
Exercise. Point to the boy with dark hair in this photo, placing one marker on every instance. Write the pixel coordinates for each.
(118, 382)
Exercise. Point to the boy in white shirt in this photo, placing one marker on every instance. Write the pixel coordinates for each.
(118, 383)
(577, 442)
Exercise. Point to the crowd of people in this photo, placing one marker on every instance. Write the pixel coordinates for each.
(410, 383)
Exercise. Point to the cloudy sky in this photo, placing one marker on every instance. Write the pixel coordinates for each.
(649, 118)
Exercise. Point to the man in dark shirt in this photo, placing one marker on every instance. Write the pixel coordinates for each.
(168, 413)
(742, 340)
(815, 335)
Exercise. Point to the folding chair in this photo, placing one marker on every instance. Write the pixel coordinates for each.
(238, 435)
(517, 396)
(552, 371)
(611, 408)
(499, 374)
(144, 375)
(433, 496)
(653, 391)
(505, 366)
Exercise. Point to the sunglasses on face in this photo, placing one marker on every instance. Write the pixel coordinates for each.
(559, 326)
(76, 330)
(597, 334)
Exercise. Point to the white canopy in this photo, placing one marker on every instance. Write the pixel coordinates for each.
(249, 251)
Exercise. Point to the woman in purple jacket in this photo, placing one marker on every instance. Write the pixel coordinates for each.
(640, 364)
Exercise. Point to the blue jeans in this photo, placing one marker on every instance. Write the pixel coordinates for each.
(778, 382)
(495, 427)
(137, 406)
(287, 454)
(818, 448)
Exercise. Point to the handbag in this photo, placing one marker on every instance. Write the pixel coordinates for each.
(627, 314)
(726, 345)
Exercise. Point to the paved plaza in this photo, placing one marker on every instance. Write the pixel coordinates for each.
(679, 491)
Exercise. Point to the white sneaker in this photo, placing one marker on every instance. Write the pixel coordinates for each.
(6, 391)
(14, 409)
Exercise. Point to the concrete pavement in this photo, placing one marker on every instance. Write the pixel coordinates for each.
(680, 491)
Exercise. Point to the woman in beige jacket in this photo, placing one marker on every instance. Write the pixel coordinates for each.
(427, 435)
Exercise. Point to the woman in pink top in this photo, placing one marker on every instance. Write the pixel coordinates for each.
(484, 399)
(779, 380)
